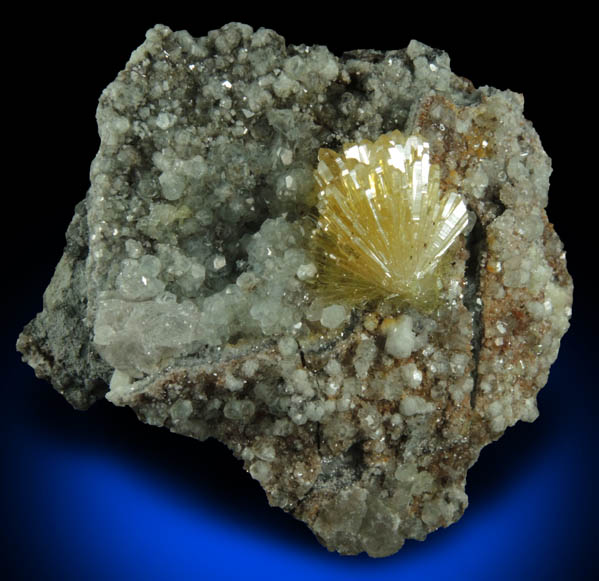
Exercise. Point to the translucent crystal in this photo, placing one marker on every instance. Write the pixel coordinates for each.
(384, 222)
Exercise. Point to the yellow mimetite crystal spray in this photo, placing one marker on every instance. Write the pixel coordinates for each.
(384, 226)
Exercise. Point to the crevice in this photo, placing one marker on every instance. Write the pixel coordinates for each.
(341, 471)
(318, 438)
(302, 357)
(308, 492)
(476, 243)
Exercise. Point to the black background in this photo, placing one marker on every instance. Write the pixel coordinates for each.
(56, 65)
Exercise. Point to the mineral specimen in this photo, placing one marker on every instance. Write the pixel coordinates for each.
(198, 287)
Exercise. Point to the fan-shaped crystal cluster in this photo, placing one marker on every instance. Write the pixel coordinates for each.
(384, 222)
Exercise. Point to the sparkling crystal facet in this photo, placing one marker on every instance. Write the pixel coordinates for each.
(384, 222)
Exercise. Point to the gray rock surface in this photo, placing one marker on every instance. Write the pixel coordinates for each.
(186, 287)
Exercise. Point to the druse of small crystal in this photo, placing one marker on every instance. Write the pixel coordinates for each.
(196, 288)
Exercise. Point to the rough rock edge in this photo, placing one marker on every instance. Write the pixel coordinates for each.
(57, 344)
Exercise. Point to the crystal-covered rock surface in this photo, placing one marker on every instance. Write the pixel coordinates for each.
(189, 286)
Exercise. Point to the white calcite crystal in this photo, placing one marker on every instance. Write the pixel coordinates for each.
(333, 316)
(190, 289)
(400, 337)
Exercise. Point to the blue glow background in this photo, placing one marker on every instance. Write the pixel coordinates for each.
(98, 495)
